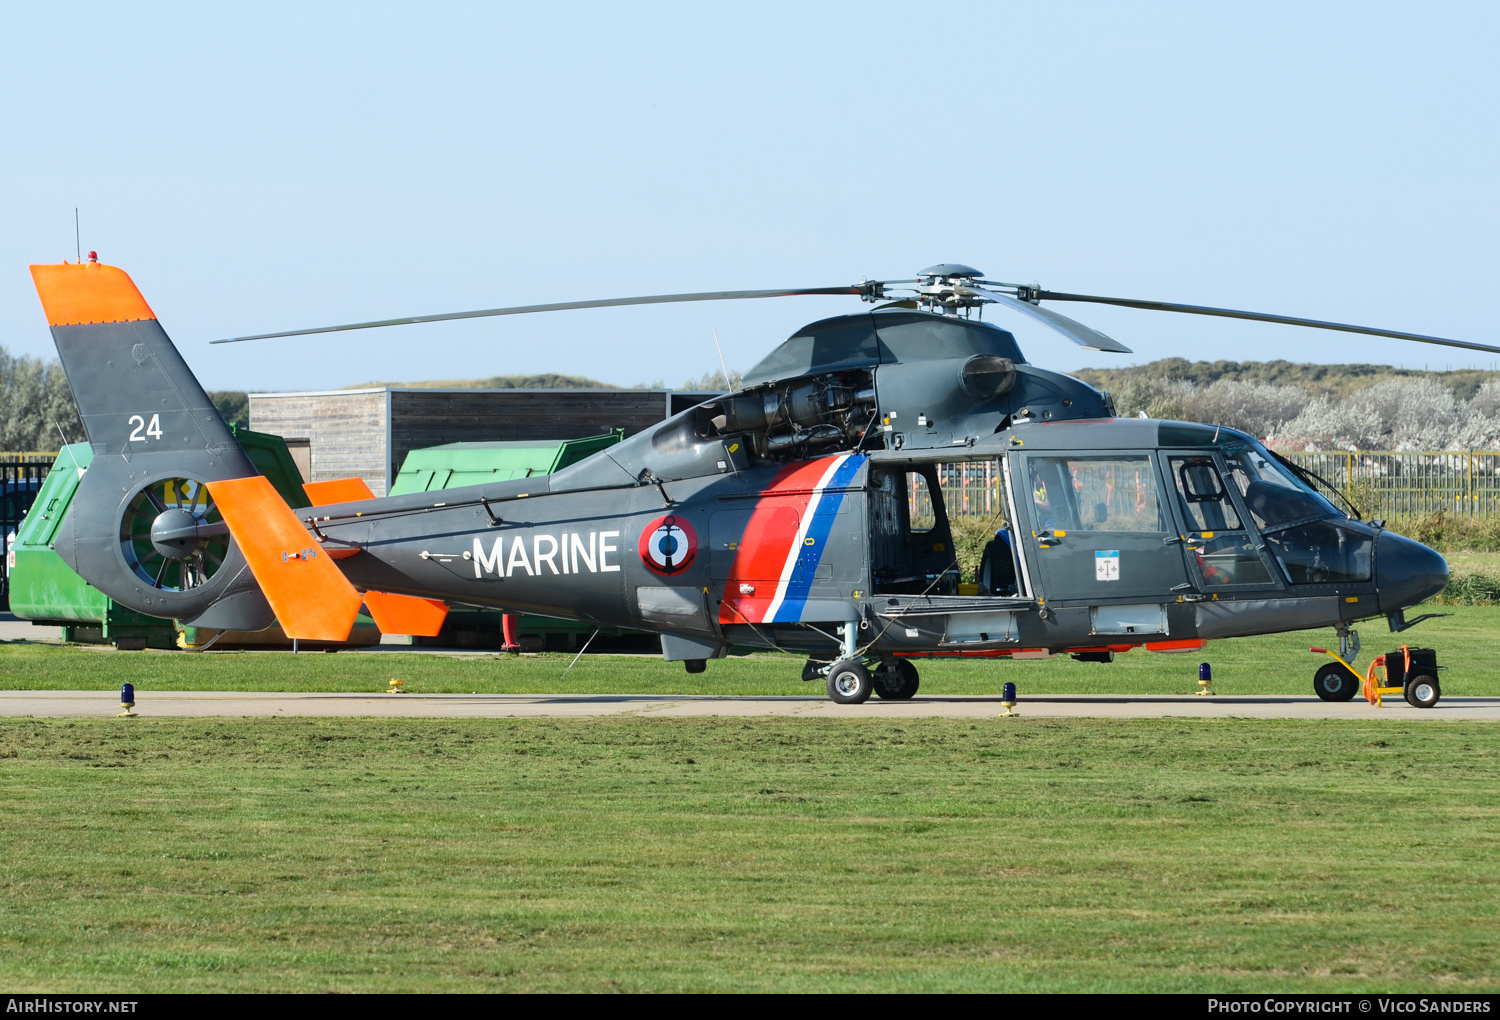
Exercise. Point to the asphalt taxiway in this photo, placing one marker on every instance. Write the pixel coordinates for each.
(236, 704)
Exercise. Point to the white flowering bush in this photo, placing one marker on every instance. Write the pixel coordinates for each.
(1397, 414)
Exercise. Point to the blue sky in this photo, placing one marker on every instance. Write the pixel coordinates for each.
(279, 166)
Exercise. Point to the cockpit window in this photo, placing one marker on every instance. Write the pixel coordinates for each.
(1273, 495)
(1322, 553)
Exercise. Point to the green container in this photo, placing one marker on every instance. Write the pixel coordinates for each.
(454, 465)
(44, 589)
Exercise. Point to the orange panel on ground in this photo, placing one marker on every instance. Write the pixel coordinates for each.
(339, 490)
(406, 614)
(310, 595)
(74, 295)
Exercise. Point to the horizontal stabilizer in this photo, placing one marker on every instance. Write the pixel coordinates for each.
(406, 614)
(311, 597)
(339, 490)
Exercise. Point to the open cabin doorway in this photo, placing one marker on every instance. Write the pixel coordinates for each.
(942, 529)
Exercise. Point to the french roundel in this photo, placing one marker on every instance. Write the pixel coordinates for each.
(669, 545)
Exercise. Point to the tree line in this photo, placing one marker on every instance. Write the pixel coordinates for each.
(37, 411)
(1394, 414)
(36, 405)
(1293, 406)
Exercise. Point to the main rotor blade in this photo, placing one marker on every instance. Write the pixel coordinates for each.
(1075, 331)
(1288, 320)
(563, 306)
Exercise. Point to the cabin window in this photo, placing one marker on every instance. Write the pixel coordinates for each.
(920, 509)
(1222, 552)
(1094, 494)
(1205, 501)
(911, 547)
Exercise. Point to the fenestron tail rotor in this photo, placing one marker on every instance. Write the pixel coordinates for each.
(949, 289)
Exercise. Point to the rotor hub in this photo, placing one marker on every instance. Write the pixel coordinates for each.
(176, 533)
(950, 288)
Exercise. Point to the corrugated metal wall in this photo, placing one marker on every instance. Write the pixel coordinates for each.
(346, 429)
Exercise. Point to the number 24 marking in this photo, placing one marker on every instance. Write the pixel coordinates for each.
(153, 430)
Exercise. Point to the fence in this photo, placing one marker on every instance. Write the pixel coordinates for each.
(21, 477)
(1392, 484)
(1411, 483)
(971, 488)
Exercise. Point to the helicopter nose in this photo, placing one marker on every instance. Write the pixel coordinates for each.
(1406, 571)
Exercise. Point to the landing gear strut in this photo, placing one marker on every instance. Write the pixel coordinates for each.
(849, 682)
(1335, 681)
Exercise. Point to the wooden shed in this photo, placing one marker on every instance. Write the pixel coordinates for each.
(368, 432)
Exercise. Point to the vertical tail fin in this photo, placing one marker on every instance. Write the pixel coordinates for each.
(138, 529)
(135, 393)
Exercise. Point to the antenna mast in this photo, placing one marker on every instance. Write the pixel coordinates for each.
(722, 364)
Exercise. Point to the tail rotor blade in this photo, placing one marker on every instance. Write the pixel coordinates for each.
(1287, 320)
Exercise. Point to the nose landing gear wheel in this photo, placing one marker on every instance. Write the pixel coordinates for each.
(1423, 692)
(1334, 682)
(898, 681)
(849, 683)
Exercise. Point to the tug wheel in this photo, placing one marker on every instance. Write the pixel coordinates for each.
(1334, 682)
(898, 681)
(849, 683)
(1423, 692)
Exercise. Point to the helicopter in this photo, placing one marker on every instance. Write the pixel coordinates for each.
(801, 513)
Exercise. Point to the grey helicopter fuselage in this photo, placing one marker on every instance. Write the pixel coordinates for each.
(833, 544)
(802, 512)
(783, 552)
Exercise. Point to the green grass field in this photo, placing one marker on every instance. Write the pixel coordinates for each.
(1278, 664)
(771, 854)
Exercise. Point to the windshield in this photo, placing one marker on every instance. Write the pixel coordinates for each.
(1274, 496)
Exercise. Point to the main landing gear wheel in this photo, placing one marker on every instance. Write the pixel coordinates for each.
(897, 681)
(1334, 682)
(849, 683)
(1423, 692)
